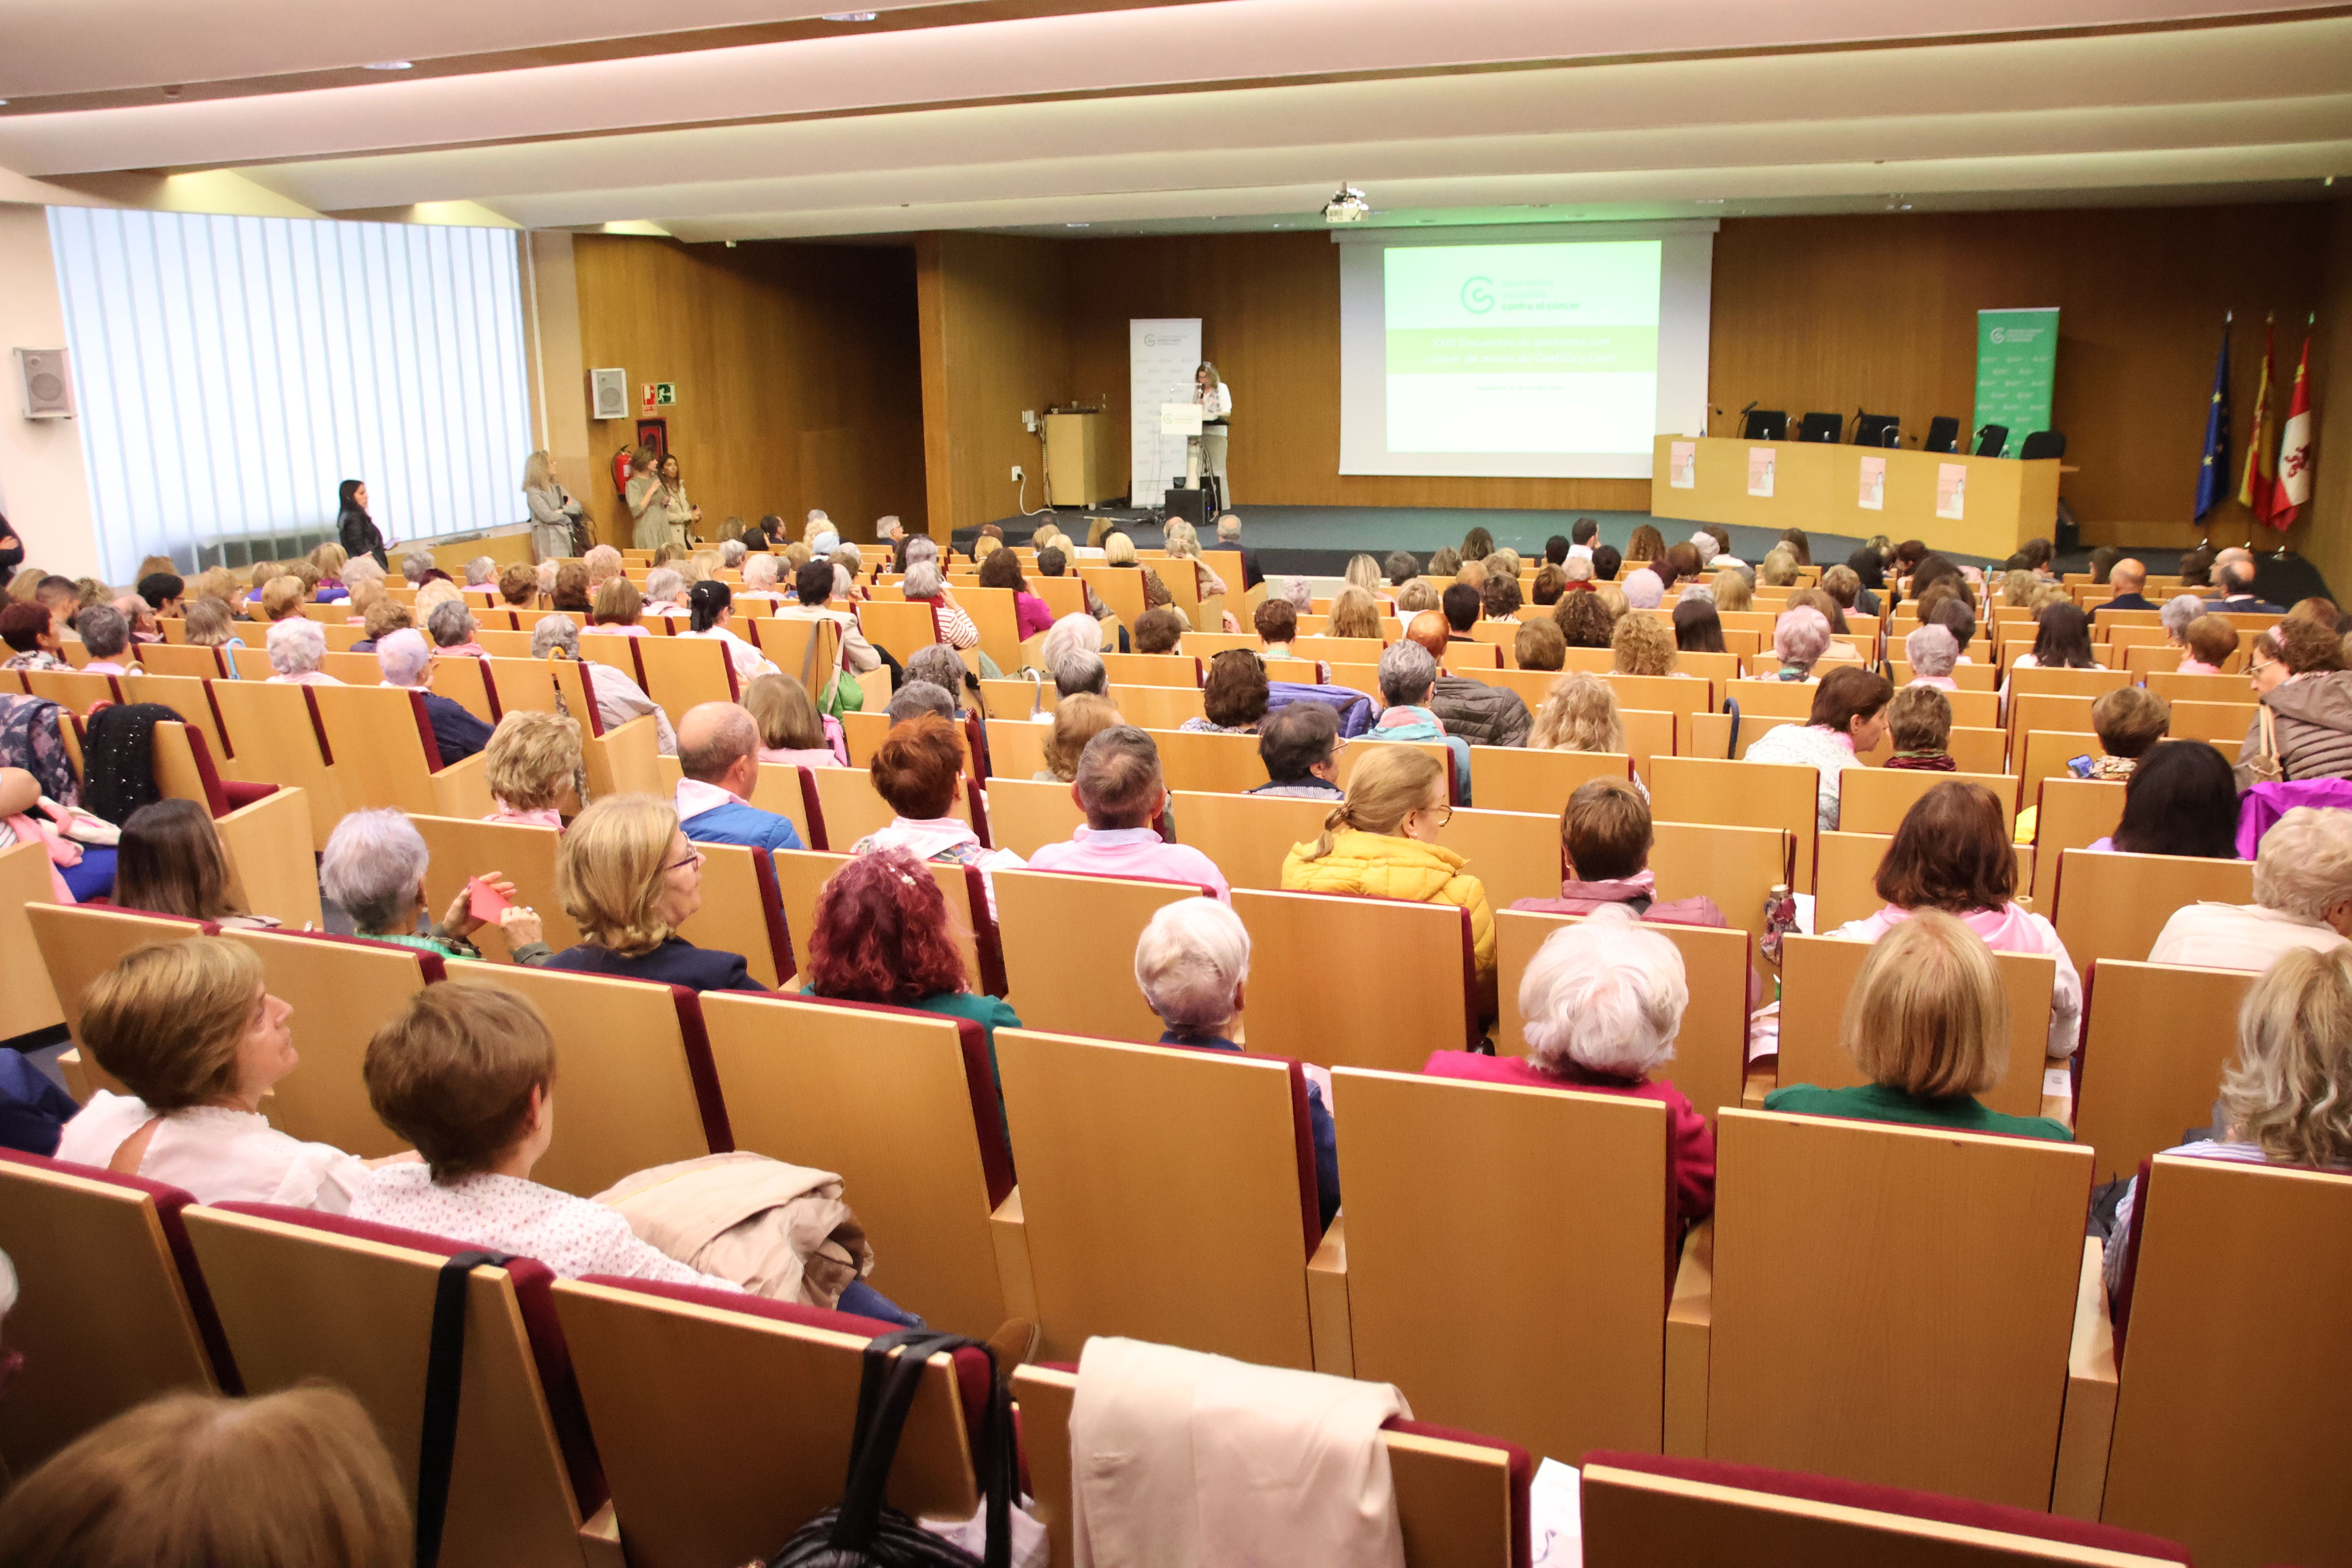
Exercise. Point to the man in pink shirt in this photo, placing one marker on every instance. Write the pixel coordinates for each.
(1119, 786)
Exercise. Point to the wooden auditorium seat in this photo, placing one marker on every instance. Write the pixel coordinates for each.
(341, 988)
(1736, 866)
(112, 1311)
(1710, 1060)
(273, 737)
(801, 876)
(383, 745)
(520, 853)
(303, 1296)
(1514, 853)
(2235, 1310)
(742, 912)
(1158, 707)
(1817, 976)
(1153, 669)
(1640, 1510)
(1513, 778)
(1069, 950)
(2112, 905)
(187, 696)
(1166, 1194)
(900, 626)
(1360, 981)
(904, 1105)
(25, 1003)
(724, 1420)
(1462, 1498)
(683, 672)
(1845, 873)
(76, 689)
(633, 1072)
(181, 659)
(464, 679)
(2158, 1038)
(1741, 794)
(851, 808)
(1876, 800)
(2075, 814)
(1023, 816)
(1884, 1304)
(1248, 836)
(1191, 760)
(265, 839)
(1594, 1269)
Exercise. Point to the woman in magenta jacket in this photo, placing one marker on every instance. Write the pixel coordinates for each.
(1602, 1001)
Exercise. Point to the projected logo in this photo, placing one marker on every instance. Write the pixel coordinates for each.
(1478, 295)
(1997, 334)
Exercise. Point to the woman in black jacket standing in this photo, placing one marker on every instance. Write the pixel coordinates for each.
(357, 530)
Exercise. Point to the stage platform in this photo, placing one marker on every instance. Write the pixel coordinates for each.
(1316, 541)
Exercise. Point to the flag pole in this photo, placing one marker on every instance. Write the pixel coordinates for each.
(2310, 324)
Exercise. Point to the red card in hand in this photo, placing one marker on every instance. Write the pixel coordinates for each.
(485, 902)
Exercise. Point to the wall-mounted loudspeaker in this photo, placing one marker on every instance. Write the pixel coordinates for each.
(608, 393)
(47, 383)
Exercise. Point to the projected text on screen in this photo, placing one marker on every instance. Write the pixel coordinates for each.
(1522, 348)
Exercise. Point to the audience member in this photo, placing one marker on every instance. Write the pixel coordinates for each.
(534, 768)
(2303, 898)
(792, 731)
(2236, 581)
(1408, 676)
(2305, 693)
(918, 698)
(1500, 598)
(2285, 1093)
(1579, 713)
(629, 880)
(1075, 721)
(1477, 713)
(189, 1027)
(1159, 631)
(1380, 841)
(1643, 645)
(1234, 696)
(35, 639)
(170, 862)
(1540, 645)
(2062, 640)
(1800, 637)
(1601, 1003)
(1191, 963)
(1928, 1021)
(382, 618)
(2130, 720)
(1952, 852)
(1119, 786)
(2128, 577)
(719, 752)
(918, 770)
(942, 667)
(2180, 800)
(406, 661)
(1848, 718)
(373, 868)
(1605, 839)
(619, 699)
(1584, 621)
(711, 613)
(1919, 729)
(1354, 613)
(1276, 621)
(163, 591)
(2208, 642)
(296, 648)
(298, 1478)
(1300, 745)
(1698, 628)
(1932, 652)
(883, 933)
(106, 637)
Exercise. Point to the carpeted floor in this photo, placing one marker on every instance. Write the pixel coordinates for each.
(1316, 541)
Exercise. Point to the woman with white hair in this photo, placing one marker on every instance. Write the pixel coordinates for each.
(296, 644)
(759, 575)
(1800, 637)
(1193, 964)
(731, 553)
(2175, 614)
(603, 562)
(1602, 1001)
(452, 625)
(619, 699)
(1933, 651)
(2303, 898)
(479, 571)
(1298, 592)
(924, 583)
(664, 592)
(373, 868)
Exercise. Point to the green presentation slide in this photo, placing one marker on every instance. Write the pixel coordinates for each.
(1522, 348)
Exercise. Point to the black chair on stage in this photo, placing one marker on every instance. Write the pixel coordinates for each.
(1991, 439)
(1766, 425)
(1943, 434)
(1877, 429)
(1824, 427)
(2043, 444)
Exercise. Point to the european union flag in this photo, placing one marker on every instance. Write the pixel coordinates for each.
(2213, 473)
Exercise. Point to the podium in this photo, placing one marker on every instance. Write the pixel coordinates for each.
(1078, 461)
(1187, 498)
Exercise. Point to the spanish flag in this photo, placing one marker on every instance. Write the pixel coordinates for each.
(2291, 484)
(2261, 442)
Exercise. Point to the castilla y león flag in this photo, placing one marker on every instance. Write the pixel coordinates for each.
(2291, 486)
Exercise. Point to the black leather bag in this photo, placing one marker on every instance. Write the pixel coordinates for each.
(863, 1532)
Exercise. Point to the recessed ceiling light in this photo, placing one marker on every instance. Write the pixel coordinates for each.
(1078, 225)
(389, 65)
(849, 16)
(1707, 202)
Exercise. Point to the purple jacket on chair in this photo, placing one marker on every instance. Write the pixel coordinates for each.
(2260, 807)
(1354, 709)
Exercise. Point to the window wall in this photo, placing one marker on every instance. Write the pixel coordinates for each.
(231, 372)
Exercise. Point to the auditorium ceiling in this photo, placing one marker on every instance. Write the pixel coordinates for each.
(714, 120)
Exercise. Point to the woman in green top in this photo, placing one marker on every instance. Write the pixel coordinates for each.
(374, 867)
(1928, 1021)
(882, 934)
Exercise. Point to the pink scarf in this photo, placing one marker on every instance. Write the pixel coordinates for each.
(63, 852)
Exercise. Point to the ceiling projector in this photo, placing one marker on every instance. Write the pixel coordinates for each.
(1347, 205)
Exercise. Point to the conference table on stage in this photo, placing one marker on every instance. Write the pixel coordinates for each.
(2003, 501)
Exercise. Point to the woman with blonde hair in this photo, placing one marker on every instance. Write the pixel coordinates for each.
(1644, 645)
(629, 878)
(1928, 1021)
(1778, 569)
(1647, 544)
(618, 605)
(555, 514)
(1364, 573)
(292, 1480)
(328, 560)
(791, 731)
(1380, 841)
(26, 583)
(190, 1029)
(534, 768)
(1580, 714)
(282, 597)
(1118, 550)
(1354, 614)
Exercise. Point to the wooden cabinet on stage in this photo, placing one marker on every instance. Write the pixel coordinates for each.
(1081, 469)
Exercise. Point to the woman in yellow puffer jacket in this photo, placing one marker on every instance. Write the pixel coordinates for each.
(1380, 842)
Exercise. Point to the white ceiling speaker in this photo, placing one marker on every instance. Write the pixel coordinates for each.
(47, 382)
(608, 393)
(1347, 205)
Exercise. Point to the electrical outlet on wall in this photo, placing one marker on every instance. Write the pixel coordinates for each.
(1017, 475)
(1029, 420)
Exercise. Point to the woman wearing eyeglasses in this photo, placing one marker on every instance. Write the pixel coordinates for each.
(629, 880)
(1380, 841)
(2305, 721)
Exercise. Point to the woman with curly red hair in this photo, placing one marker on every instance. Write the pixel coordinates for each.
(883, 933)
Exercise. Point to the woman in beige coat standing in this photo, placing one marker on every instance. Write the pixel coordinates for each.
(649, 501)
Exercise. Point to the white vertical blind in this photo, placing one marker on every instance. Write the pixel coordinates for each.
(231, 372)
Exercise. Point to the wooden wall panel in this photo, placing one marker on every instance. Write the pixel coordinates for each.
(798, 370)
(1808, 312)
(2327, 525)
(995, 342)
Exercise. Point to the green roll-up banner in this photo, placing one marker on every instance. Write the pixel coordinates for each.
(2017, 360)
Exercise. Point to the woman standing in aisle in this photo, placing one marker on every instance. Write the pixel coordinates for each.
(555, 514)
(354, 527)
(682, 512)
(1217, 401)
(648, 501)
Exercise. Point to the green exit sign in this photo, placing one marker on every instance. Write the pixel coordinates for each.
(665, 393)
